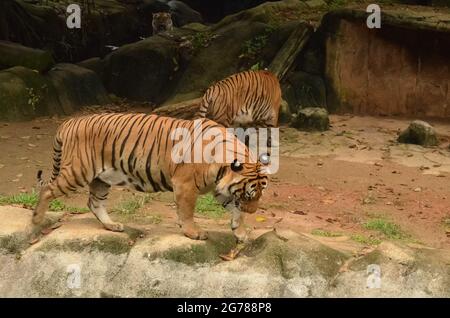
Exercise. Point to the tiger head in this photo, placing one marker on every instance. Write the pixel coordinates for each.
(243, 184)
(162, 21)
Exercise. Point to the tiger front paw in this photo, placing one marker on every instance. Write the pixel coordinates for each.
(241, 234)
(195, 233)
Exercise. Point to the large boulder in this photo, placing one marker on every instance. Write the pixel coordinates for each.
(78, 258)
(250, 38)
(77, 87)
(183, 14)
(311, 119)
(419, 133)
(25, 94)
(94, 64)
(304, 90)
(13, 54)
(142, 70)
(210, 64)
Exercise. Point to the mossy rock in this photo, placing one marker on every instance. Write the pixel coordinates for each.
(312, 119)
(199, 252)
(94, 64)
(17, 238)
(113, 244)
(25, 94)
(297, 256)
(272, 13)
(13, 54)
(419, 133)
(76, 87)
(142, 70)
(210, 64)
(304, 90)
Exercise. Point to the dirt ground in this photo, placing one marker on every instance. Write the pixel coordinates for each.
(329, 184)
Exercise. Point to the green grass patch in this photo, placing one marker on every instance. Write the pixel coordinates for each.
(324, 233)
(387, 228)
(76, 210)
(446, 221)
(132, 205)
(207, 205)
(359, 238)
(29, 200)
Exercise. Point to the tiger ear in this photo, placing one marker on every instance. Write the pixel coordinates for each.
(236, 166)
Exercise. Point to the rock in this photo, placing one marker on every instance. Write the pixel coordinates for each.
(94, 64)
(25, 94)
(167, 264)
(143, 70)
(182, 14)
(16, 229)
(235, 34)
(304, 90)
(312, 118)
(13, 54)
(417, 82)
(77, 86)
(210, 65)
(315, 3)
(419, 133)
(285, 113)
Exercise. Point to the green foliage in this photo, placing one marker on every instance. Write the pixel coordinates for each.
(33, 98)
(207, 205)
(256, 67)
(252, 49)
(320, 232)
(201, 39)
(387, 228)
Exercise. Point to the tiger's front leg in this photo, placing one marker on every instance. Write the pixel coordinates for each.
(185, 199)
(238, 225)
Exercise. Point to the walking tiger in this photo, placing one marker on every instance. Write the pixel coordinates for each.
(135, 150)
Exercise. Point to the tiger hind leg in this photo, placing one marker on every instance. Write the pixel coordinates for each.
(98, 194)
(52, 190)
(45, 196)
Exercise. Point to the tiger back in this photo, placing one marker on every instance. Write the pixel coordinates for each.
(245, 99)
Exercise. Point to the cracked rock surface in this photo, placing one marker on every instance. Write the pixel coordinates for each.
(79, 258)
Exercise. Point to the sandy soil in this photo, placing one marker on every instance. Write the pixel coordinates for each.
(333, 181)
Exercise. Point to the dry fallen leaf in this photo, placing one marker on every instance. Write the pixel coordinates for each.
(34, 241)
(260, 219)
(233, 253)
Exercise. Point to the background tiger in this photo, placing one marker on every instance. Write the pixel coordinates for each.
(135, 150)
(162, 22)
(250, 98)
